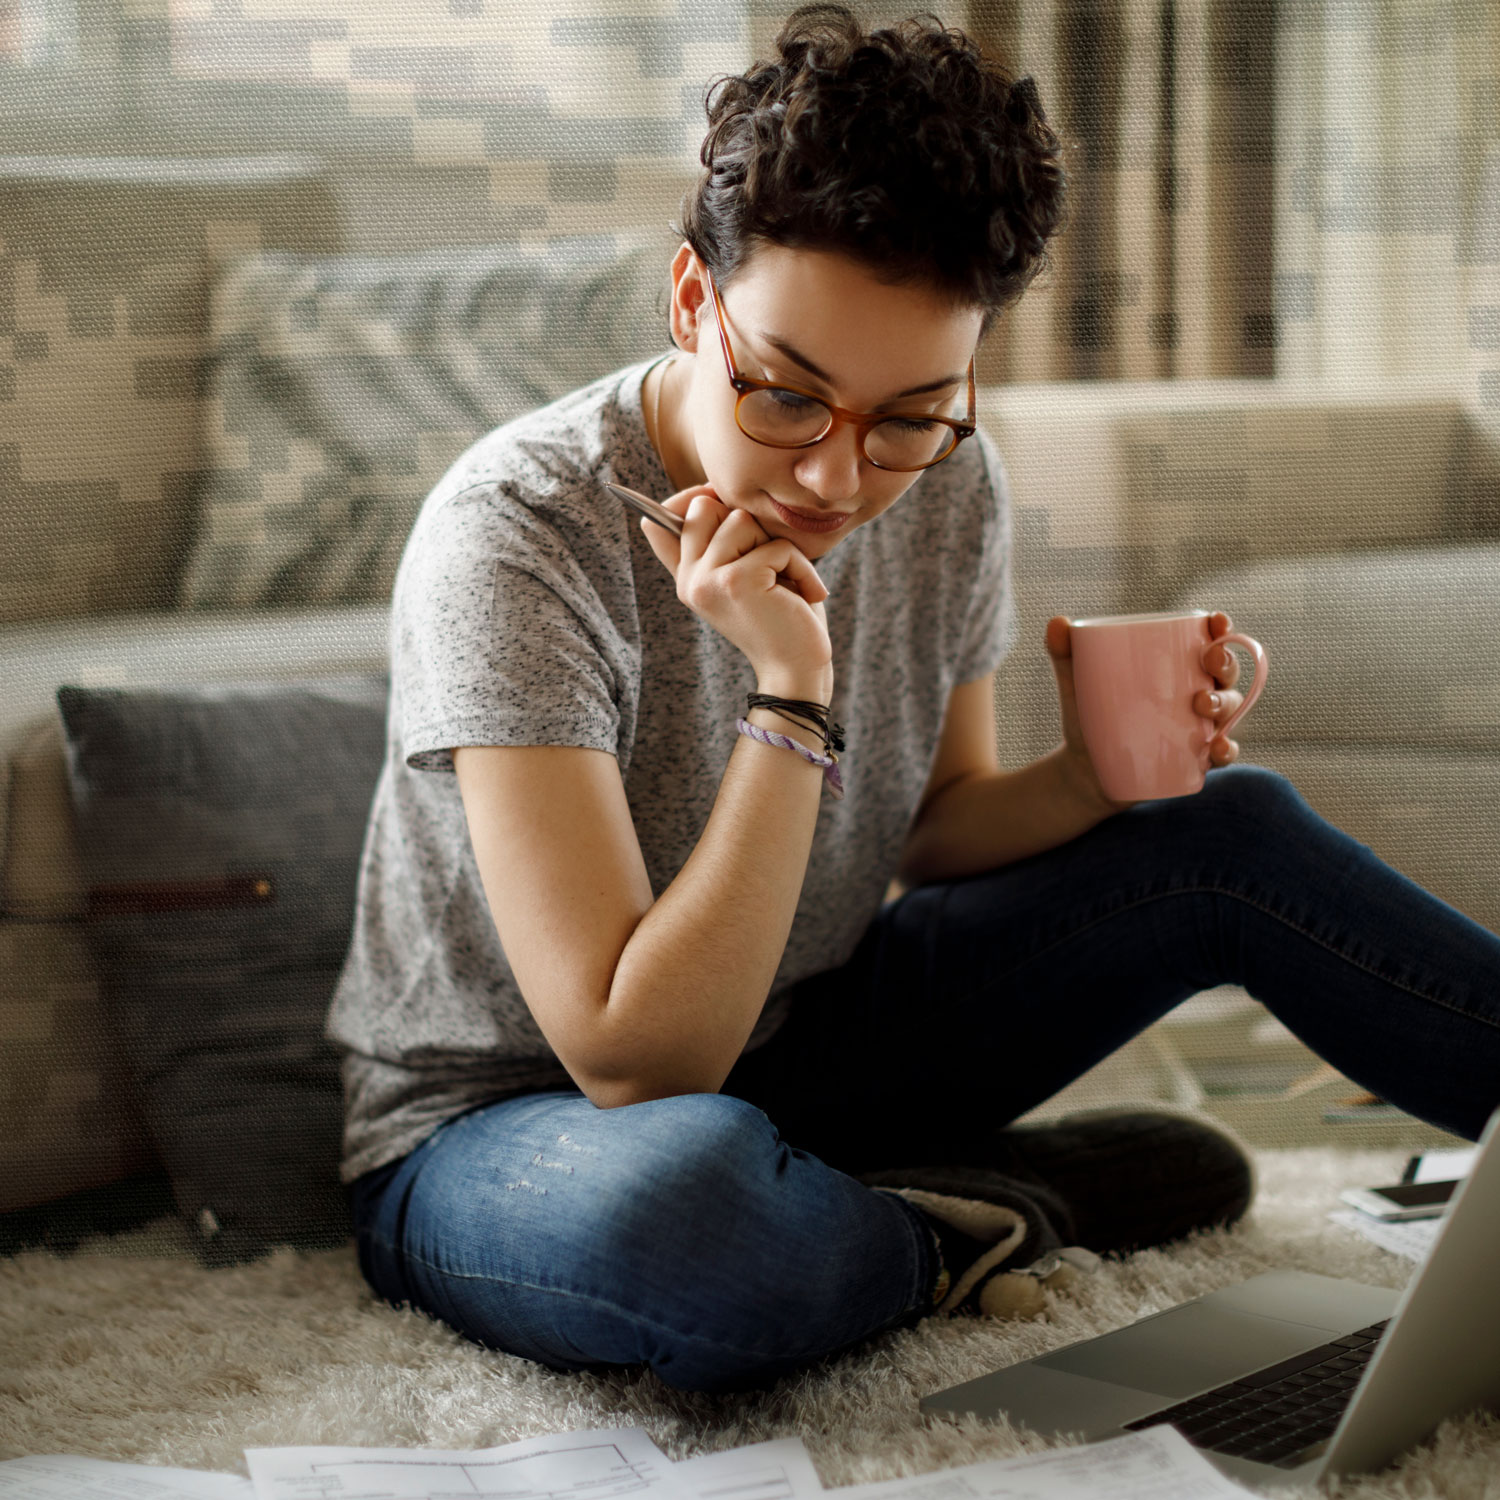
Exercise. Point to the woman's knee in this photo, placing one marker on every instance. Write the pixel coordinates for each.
(679, 1246)
(1250, 791)
(567, 1196)
(695, 1157)
(565, 1168)
(682, 1233)
(1240, 807)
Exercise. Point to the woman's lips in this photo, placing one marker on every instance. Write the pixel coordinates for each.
(829, 522)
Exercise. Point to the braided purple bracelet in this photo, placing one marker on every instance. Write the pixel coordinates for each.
(828, 762)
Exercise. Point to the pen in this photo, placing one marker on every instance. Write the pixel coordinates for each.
(654, 509)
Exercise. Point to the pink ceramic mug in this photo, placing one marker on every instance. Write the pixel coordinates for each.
(1135, 678)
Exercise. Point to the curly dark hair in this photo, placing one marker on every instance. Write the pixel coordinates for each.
(905, 148)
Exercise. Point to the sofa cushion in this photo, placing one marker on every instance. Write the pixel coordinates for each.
(39, 874)
(1129, 494)
(220, 829)
(341, 388)
(1368, 648)
(68, 1118)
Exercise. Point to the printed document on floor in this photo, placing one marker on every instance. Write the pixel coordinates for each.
(1157, 1464)
(781, 1469)
(69, 1476)
(1412, 1239)
(599, 1464)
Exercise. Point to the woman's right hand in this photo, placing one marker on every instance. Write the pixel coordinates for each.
(759, 592)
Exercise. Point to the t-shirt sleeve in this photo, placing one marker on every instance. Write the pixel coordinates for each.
(500, 637)
(992, 625)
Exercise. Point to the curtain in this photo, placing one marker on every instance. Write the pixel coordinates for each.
(1388, 193)
(1166, 266)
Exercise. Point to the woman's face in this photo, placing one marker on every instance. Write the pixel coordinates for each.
(817, 320)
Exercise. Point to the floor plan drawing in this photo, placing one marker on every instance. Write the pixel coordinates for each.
(561, 1466)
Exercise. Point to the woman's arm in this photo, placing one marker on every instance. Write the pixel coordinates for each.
(980, 818)
(997, 817)
(641, 999)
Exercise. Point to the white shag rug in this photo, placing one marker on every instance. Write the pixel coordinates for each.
(126, 1351)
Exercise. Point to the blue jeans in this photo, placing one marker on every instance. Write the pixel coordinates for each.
(721, 1238)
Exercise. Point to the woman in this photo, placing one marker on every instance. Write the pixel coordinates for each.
(640, 1068)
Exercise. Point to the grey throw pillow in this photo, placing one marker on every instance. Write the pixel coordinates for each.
(341, 388)
(221, 829)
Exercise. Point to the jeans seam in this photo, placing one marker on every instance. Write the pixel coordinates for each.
(924, 1240)
(1296, 927)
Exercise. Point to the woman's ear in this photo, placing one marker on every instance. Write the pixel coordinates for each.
(689, 289)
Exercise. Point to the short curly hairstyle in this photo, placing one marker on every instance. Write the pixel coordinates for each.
(905, 148)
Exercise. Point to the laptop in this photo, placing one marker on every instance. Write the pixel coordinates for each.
(1289, 1376)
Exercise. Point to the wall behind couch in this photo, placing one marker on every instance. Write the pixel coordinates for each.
(143, 145)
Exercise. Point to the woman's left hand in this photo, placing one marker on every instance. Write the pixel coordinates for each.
(1221, 750)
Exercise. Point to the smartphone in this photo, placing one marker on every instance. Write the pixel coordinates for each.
(1402, 1200)
(647, 507)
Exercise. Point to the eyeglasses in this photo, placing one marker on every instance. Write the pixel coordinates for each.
(782, 416)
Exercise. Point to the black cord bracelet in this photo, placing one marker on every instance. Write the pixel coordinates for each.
(805, 711)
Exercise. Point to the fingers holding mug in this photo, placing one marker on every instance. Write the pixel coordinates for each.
(1220, 706)
(1222, 662)
(1144, 686)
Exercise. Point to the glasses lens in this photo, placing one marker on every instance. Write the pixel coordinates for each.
(788, 419)
(907, 443)
(783, 417)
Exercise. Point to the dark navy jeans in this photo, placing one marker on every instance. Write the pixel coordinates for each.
(721, 1239)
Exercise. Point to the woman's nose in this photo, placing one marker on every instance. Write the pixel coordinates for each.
(830, 469)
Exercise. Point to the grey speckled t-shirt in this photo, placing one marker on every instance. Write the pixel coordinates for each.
(530, 610)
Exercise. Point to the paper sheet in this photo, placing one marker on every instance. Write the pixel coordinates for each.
(68, 1476)
(1412, 1239)
(781, 1469)
(1157, 1464)
(592, 1465)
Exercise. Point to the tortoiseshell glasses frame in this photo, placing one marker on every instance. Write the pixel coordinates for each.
(837, 415)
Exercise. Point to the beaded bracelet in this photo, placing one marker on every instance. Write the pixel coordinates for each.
(828, 762)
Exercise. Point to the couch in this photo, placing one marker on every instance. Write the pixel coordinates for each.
(1355, 532)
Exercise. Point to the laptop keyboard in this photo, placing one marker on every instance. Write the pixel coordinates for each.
(1282, 1414)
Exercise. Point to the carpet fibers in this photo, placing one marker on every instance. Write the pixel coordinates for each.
(129, 1351)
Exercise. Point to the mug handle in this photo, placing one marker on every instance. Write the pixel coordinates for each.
(1262, 670)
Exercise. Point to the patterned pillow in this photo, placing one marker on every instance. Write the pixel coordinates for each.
(220, 829)
(340, 389)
